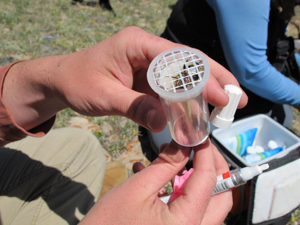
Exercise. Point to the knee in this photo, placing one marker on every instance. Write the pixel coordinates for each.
(79, 146)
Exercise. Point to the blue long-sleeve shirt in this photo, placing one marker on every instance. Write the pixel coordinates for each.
(243, 31)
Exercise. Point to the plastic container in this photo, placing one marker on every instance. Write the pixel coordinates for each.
(179, 76)
(268, 129)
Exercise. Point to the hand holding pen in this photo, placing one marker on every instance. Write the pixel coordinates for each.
(198, 203)
(225, 181)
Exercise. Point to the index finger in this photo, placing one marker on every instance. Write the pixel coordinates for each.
(219, 76)
(200, 185)
(224, 77)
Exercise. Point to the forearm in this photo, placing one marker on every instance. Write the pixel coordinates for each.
(29, 92)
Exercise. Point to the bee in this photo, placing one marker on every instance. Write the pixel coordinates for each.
(178, 82)
(188, 74)
(189, 65)
(192, 66)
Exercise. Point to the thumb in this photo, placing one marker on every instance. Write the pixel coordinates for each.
(162, 170)
(141, 108)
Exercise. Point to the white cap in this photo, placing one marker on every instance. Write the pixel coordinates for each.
(248, 173)
(272, 144)
(223, 117)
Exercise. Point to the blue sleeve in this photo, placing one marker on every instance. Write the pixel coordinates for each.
(243, 30)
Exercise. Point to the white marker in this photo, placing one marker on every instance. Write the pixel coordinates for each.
(231, 179)
(237, 177)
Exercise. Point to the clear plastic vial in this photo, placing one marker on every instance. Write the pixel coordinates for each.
(187, 121)
(179, 76)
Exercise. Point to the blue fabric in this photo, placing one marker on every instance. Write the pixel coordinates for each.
(243, 30)
(297, 56)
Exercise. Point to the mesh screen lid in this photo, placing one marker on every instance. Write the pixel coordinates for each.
(178, 70)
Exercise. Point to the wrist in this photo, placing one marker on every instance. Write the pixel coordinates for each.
(28, 93)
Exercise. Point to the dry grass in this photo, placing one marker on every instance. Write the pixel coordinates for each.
(32, 29)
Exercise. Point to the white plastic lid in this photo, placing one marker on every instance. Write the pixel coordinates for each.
(248, 173)
(178, 74)
(223, 117)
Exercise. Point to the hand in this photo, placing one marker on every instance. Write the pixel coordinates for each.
(108, 78)
(135, 200)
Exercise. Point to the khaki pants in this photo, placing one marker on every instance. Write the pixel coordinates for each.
(50, 180)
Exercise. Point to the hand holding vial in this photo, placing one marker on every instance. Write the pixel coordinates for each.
(179, 77)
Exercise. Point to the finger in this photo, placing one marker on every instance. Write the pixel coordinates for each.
(144, 49)
(171, 161)
(222, 201)
(141, 108)
(162, 147)
(162, 170)
(200, 185)
(216, 95)
(137, 167)
(220, 163)
(140, 83)
(204, 165)
(223, 77)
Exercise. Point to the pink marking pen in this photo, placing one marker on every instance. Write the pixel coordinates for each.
(228, 180)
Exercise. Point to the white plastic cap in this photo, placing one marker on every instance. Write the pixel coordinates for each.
(223, 117)
(248, 173)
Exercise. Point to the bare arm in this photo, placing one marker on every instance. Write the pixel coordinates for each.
(110, 79)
